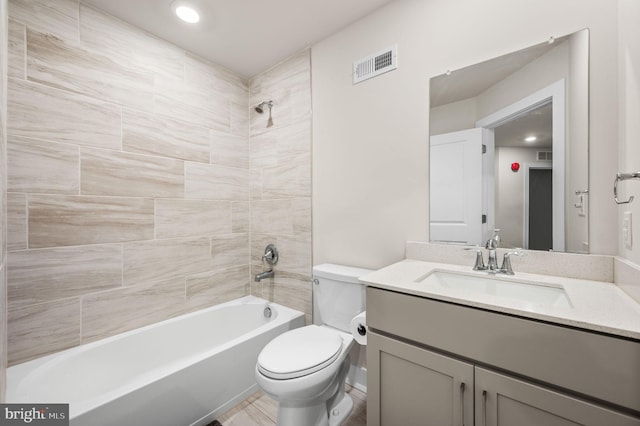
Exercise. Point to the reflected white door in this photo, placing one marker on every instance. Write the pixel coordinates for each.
(456, 187)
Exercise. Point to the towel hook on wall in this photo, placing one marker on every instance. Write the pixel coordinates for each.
(620, 177)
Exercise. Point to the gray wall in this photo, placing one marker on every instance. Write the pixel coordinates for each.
(370, 173)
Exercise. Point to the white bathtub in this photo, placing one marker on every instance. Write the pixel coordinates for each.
(184, 371)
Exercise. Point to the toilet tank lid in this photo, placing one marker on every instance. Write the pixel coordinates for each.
(342, 273)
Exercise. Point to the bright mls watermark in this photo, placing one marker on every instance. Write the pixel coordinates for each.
(34, 414)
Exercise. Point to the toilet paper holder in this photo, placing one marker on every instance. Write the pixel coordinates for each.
(362, 330)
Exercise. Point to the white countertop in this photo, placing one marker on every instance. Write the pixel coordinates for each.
(597, 306)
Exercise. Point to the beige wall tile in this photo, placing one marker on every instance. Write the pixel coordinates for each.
(229, 151)
(289, 289)
(152, 134)
(203, 107)
(295, 251)
(3, 195)
(298, 247)
(43, 167)
(292, 179)
(264, 150)
(104, 172)
(294, 141)
(214, 287)
(281, 182)
(241, 217)
(138, 49)
(69, 66)
(116, 311)
(3, 330)
(272, 217)
(17, 50)
(229, 250)
(16, 221)
(182, 108)
(284, 157)
(289, 86)
(180, 218)
(46, 275)
(302, 215)
(240, 117)
(40, 112)
(162, 260)
(76, 220)
(256, 287)
(216, 182)
(255, 184)
(205, 75)
(57, 17)
(42, 329)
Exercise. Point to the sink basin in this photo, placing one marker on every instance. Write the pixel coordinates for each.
(531, 294)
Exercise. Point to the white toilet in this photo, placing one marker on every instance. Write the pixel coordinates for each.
(305, 369)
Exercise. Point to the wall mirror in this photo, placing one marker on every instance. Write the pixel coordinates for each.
(509, 149)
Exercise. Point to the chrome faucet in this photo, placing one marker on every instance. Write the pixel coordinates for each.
(492, 264)
(492, 244)
(271, 257)
(263, 275)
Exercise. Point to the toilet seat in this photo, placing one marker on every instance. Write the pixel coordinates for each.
(299, 352)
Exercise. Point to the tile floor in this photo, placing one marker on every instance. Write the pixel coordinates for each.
(260, 410)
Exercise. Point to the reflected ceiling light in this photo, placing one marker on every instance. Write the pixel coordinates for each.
(530, 139)
(185, 11)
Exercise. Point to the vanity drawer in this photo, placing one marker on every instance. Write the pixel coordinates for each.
(600, 366)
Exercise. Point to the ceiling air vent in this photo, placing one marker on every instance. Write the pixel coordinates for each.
(376, 64)
(544, 155)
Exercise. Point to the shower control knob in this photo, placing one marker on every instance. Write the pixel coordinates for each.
(270, 254)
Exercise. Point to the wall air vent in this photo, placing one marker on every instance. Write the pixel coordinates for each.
(544, 156)
(384, 61)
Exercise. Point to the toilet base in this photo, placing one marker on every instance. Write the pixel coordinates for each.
(327, 412)
(315, 415)
(340, 412)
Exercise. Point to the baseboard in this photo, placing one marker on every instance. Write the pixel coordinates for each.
(357, 377)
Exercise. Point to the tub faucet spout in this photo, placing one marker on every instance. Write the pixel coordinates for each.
(263, 275)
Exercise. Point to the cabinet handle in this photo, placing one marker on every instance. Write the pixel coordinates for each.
(484, 408)
(462, 389)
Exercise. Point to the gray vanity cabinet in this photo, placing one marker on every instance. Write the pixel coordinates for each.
(501, 400)
(413, 386)
(437, 363)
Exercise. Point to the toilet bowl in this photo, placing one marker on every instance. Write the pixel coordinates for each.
(305, 369)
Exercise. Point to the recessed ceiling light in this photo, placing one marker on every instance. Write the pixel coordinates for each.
(530, 139)
(185, 12)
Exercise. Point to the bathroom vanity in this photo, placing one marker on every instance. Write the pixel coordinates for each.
(440, 352)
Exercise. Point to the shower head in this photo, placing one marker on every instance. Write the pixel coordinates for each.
(260, 107)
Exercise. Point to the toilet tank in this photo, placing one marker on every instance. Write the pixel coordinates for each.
(338, 296)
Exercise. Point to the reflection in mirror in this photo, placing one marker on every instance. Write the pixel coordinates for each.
(509, 149)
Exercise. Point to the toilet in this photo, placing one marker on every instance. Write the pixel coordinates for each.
(305, 369)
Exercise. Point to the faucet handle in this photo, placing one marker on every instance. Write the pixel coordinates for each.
(506, 261)
(479, 266)
(270, 255)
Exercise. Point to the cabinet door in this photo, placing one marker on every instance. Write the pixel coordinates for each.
(408, 385)
(504, 401)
